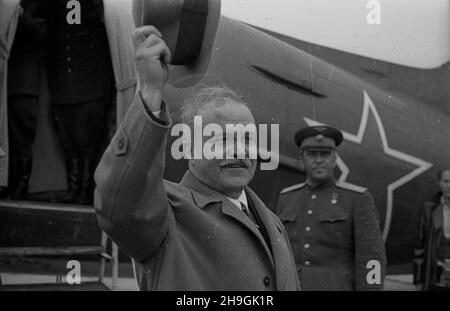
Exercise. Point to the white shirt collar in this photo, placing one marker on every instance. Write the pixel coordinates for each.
(242, 199)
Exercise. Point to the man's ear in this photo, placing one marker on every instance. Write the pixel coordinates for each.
(334, 159)
(301, 162)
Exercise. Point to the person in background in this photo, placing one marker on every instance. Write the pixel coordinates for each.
(432, 253)
(333, 227)
(82, 90)
(24, 89)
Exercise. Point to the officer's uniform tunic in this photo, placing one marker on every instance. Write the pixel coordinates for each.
(334, 232)
(80, 77)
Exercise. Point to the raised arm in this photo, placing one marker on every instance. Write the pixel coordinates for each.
(130, 200)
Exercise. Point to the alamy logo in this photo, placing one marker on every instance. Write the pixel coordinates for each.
(74, 275)
(374, 274)
(374, 15)
(74, 15)
(235, 141)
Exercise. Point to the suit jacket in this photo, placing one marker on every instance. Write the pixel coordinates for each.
(183, 236)
(334, 232)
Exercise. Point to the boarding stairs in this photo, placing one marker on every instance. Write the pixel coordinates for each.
(99, 249)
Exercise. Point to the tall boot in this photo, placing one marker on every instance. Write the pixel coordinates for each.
(87, 181)
(20, 187)
(73, 165)
(4, 193)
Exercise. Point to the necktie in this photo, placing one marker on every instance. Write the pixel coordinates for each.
(249, 215)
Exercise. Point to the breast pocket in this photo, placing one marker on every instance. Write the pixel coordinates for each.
(334, 214)
(289, 220)
(288, 216)
(335, 223)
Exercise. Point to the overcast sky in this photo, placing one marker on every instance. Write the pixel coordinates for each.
(412, 32)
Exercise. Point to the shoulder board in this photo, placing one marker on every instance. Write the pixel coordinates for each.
(350, 187)
(292, 188)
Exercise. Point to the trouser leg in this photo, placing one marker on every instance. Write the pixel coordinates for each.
(91, 133)
(22, 124)
(64, 121)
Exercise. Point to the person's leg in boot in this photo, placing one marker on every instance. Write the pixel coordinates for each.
(4, 193)
(20, 190)
(65, 126)
(23, 114)
(87, 181)
(74, 167)
(90, 136)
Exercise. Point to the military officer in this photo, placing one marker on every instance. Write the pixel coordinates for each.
(24, 90)
(82, 88)
(333, 227)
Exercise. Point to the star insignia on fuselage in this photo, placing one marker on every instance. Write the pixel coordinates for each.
(421, 165)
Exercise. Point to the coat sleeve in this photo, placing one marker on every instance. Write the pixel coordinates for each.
(419, 250)
(370, 254)
(130, 200)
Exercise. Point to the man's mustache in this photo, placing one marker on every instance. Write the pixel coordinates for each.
(235, 163)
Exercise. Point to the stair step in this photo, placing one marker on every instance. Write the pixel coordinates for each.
(51, 251)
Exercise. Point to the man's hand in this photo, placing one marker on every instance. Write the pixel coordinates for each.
(151, 57)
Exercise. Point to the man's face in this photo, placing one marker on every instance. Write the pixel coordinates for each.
(227, 176)
(444, 183)
(318, 164)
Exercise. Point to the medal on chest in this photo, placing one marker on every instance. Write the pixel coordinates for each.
(334, 198)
